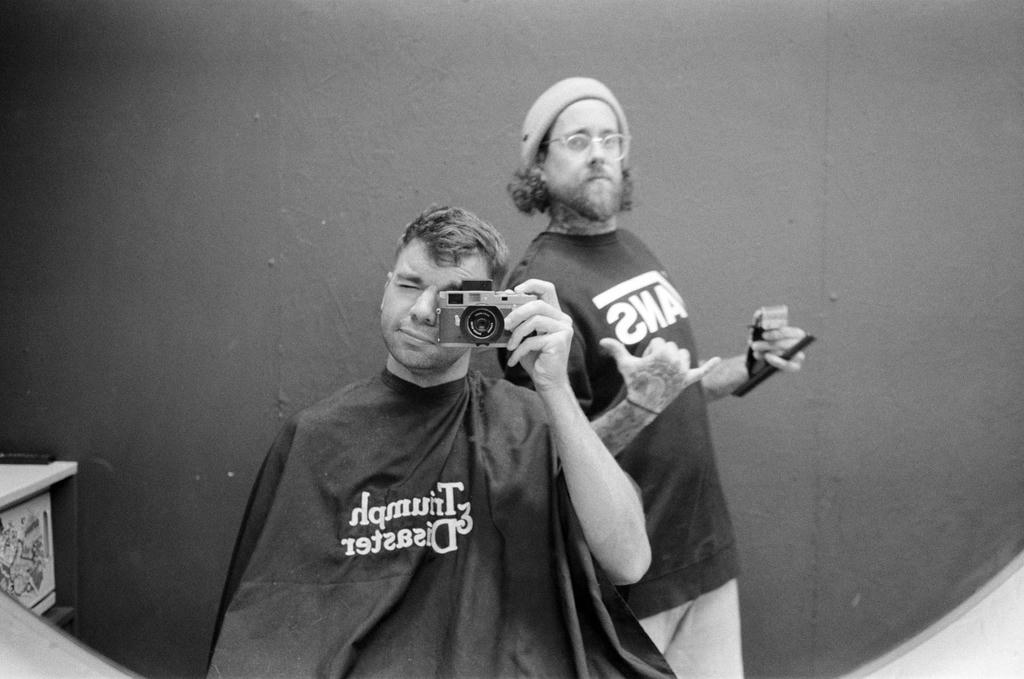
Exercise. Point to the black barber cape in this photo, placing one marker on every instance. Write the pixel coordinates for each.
(399, 531)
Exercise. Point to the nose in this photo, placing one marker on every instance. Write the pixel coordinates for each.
(424, 310)
(597, 150)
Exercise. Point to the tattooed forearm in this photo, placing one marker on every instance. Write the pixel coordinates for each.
(654, 385)
(652, 382)
(617, 426)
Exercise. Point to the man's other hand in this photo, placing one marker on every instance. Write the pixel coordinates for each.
(654, 379)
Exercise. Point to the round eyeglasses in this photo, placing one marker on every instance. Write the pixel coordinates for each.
(614, 145)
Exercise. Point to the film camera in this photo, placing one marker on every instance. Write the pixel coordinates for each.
(475, 315)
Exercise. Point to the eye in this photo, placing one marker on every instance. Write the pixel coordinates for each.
(404, 284)
(613, 142)
(577, 142)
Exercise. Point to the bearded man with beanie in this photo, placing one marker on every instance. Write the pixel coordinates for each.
(629, 357)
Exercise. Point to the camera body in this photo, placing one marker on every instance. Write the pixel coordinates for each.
(475, 315)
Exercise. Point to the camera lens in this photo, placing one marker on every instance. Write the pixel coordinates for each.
(483, 324)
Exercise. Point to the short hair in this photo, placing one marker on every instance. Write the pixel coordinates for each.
(530, 194)
(451, 233)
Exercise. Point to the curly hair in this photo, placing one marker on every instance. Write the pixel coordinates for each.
(530, 194)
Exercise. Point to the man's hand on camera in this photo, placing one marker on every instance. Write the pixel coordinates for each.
(541, 335)
(654, 379)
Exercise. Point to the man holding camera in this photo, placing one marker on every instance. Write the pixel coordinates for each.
(433, 522)
(632, 343)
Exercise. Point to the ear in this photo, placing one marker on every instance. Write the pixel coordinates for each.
(387, 281)
(537, 173)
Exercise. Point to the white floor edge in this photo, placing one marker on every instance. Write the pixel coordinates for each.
(983, 638)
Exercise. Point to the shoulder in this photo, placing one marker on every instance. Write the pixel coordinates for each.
(500, 390)
(566, 268)
(356, 396)
(326, 424)
(630, 240)
(545, 257)
(510, 427)
(508, 402)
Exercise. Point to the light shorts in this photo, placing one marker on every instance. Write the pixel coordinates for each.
(701, 638)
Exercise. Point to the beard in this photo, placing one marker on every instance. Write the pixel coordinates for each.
(597, 200)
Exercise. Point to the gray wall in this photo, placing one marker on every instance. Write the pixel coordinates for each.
(199, 202)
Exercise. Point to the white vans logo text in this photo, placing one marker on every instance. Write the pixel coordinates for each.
(640, 306)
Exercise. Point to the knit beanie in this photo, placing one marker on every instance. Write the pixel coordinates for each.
(556, 99)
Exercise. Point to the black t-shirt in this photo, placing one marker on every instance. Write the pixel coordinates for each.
(399, 531)
(613, 286)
